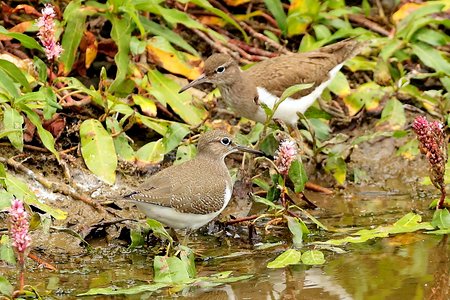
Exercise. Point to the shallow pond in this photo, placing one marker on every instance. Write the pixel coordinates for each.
(406, 266)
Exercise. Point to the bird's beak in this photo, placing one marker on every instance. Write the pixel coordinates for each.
(199, 80)
(249, 150)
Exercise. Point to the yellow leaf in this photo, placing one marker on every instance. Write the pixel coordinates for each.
(236, 2)
(178, 62)
(212, 20)
(91, 54)
(405, 10)
(148, 106)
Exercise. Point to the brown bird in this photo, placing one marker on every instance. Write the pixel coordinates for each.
(191, 194)
(265, 81)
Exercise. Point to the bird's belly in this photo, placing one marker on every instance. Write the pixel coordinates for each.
(178, 220)
(288, 109)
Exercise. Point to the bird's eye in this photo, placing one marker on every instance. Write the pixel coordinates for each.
(220, 69)
(225, 141)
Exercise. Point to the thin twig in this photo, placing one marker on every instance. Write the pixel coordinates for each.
(317, 188)
(265, 39)
(55, 187)
(239, 220)
(361, 20)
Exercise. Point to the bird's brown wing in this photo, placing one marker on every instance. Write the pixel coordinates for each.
(309, 67)
(158, 188)
(176, 187)
(288, 70)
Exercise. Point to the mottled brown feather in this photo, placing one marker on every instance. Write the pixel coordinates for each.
(309, 67)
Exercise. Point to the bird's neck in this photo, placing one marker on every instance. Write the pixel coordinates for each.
(240, 95)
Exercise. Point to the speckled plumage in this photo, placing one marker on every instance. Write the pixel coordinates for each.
(239, 88)
(198, 189)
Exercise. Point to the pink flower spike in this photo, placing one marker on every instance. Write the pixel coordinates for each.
(285, 155)
(46, 34)
(18, 218)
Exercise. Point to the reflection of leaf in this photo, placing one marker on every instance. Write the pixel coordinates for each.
(408, 223)
(146, 288)
(172, 60)
(297, 229)
(288, 257)
(313, 257)
(97, 149)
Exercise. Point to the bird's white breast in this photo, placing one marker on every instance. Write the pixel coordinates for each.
(288, 109)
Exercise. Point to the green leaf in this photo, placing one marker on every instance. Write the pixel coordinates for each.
(7, 85)
(170, 270)
(393, 114)
(297, 174)
(137, 239)
(170, 35)
(431, 57)
(207, 6)
(13, 122)
(339, 85)
(441, 219)
(188, 258)
(6, 288)
(75, 18)
(269, 145)
(159, 230)
(25, 40)
(21, 191)
(121, 142)
(297, 230)
(158, 125)
(97, 149)
(276, 9)
(165, 90)
(7, 251)
(15, 73)
(337, 166)
(151, 153)
(121, 34)
(146, 288)
(45, 136)
(41, 69)
(313, 257)
(185, 153)
(288, 257)
(269, 203)
(174, 135)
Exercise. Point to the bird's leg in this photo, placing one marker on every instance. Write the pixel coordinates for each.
(187, 233)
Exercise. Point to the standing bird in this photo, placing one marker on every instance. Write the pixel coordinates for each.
(191, 194)
(265, 81)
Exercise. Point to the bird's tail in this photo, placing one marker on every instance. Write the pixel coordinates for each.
(344, 49)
